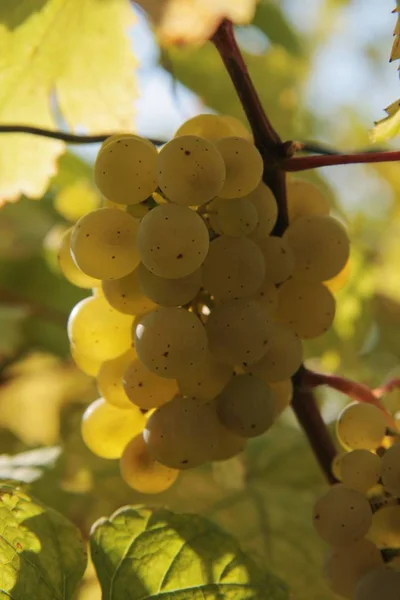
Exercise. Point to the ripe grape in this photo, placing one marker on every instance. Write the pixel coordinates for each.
(267, 211)
(362, 426)
(69, 268)
(237, 216)
(283, 394)
(126, 294)
(87, 364)
(238, 332)
(106, 429)
(191, 170)
(109, 380)
(169, 292)
(169, 340)
(234, 268)
(229, 444)
(378, 585)
(125, 170)
(282, 358)
(205, 380)
(391, 470)
(308, 308)
(360, 469)
(213, 127)
(320, 245)
(305, 199)
(138, 211)
(144, 388)
(141, 472)
(385, 528)
(246, 406)
(279, 258)
(244, 166)
(267, 295)
(103, 243)
(342, 516)
(346, 565)
(173, 241)
(182, 433)
(97, 330)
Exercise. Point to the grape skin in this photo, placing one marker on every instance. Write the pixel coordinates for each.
(237, 216)
(283, 395)
(228, 445)
(88, 365)
(126, 294)
(279, 258)
(267, 210)
(305, 199)
(391, 470)
(205, 380)
(380, 584)
(267, 294)
(360, 469)
(69, 268)
(385, 528)
(169, 292)
(244, 166)
(146, 389)
(362, 426)
(109, 380)
(282, 358)
(213, 127)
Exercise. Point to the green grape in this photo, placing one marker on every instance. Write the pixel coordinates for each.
(229, 444)
(360, 469)
(90, 366)
(361, 426)
(105, 203)
(282, 358)
(182, 433)
(95, 329)
(141, 472)
(336, 465)
(378, 585)
(173, 241)
(279, 258)
(125, 170)
(308, 308)
(51, 246)
(305, 199)
(246, 406)
(138, 211)
(283, 395)
(237, 216)
(68, 267)
(267, 295)
(385, 528)
(213, 127)
(320, 245)
(391, 470)
(146, 389)
(244, 166)
(169, 292)
(234, 268)
(76, 199)
(169, 340)
(205, 380)
(346, 565)
(110, 379)
(342, 516)
(126, 294)
(114, 137)
(238, 129)
(238, 332)
(103, 243)
(191, 170)
(267, 211)
(106, 429)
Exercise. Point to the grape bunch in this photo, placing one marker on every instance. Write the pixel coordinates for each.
(360, 516)
(195, 324)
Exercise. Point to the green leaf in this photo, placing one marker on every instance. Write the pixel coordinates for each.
(389, 127)
(271, 20)
(42, 555)
(83, 57)
(143, 554)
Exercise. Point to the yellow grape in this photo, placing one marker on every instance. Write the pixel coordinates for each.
(320, 245)
(391, 470)
(238, 332)
(335, 465)
(236, 216)
(114, 137)
(360, 469)
(169, 340)
(237, 128)
(213, 127)
(125, 170)
(385, 528)
(244, 167)
(362, 426)
(229, 444)
(339, 281)
(51, 245)
(103, 243)
(98, 330)
(379, 584)
(283, 357)
(110, 379)
(106, 429)
(267, 210)
(87, 364)
(305, 199)
(246, 406)
(308, 308)
(146, 389)
(283, 395)
(76, 199)
(169, 292)
(182, 433)
(69, 268)
(110, 204)
(173, 241)
(191, 170)
(126, 294)
(205, 379)
(141, 472)
(234, 268)
(267, 295)
(279, 258)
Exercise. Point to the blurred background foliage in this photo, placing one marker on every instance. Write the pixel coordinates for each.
(322, 72)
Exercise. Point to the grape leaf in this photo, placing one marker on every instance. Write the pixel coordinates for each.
(73, 55)
(194, 21)
(144, 554)
(271, 20)
(42, 555)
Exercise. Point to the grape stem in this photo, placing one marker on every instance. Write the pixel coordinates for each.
(387, 387)
(303, 163)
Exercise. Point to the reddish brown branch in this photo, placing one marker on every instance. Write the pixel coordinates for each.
(302, 163)
(385, 388)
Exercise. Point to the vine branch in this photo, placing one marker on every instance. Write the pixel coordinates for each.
(302, 163)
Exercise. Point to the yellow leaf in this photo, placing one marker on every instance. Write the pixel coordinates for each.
(74, 55)
(389, 127)
(194, 21)
(75, 200)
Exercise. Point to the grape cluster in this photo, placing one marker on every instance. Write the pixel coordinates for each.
(198, 312)
(360, 516)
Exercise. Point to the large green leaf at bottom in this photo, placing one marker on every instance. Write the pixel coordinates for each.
(42, 555)
(144, 554)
